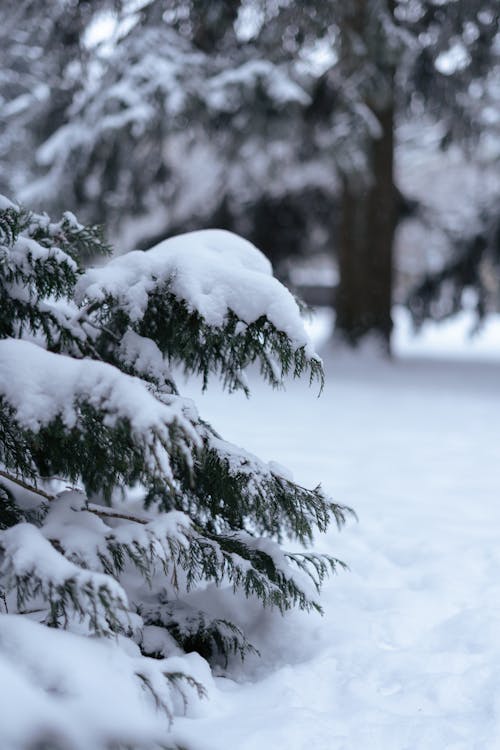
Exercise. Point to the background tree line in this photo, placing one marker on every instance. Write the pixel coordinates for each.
(286, 122)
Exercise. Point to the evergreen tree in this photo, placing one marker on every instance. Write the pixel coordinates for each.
(43, 63)
(186, 120)
(277, 120)
(455, 76)
(118, 503)
(399, 62)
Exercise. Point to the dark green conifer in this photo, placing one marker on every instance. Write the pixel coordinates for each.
(91, 418)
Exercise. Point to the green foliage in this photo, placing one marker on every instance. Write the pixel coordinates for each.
(245, 494)
(195, 630)
(185, 338)
(43, 277)
(100, 456)
(189, 342)
(164, 507)
(216, 557)
(80, 242)
(10, 514)
(69, 599)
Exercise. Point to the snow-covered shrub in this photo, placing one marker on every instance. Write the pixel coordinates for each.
(117, 501)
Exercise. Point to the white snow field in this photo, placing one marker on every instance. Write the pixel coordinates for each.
(407, 654)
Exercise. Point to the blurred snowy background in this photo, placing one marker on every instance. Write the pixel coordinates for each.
(358, 145)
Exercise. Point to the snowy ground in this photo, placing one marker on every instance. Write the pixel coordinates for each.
(407, 655)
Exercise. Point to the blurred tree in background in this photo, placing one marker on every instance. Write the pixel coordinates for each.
(290, 123)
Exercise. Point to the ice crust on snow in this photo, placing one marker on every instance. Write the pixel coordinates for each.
(213, 271)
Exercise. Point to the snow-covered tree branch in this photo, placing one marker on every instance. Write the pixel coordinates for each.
(117, 501)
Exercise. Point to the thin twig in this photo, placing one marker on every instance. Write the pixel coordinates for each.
(111, 513)
(99, 327)
(86, 346)
(90, 507)
(26, 486)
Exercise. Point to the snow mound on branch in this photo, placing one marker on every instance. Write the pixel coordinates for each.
(27, 556)
(213, 271)
(143, 355)
(27, 251)
(63, 689)
(40, 386)
(26, 550)
(85, 537)
(5, 204)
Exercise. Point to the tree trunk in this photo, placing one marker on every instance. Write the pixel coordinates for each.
(364, 294)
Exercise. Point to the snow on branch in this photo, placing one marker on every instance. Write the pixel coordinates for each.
(104, 539)
(32, 567)
(192, 629)
(89, 693)
(39, 388)
(44, 268)
(225, 91)
(38, 271)
(256, 567)
(209, 300)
